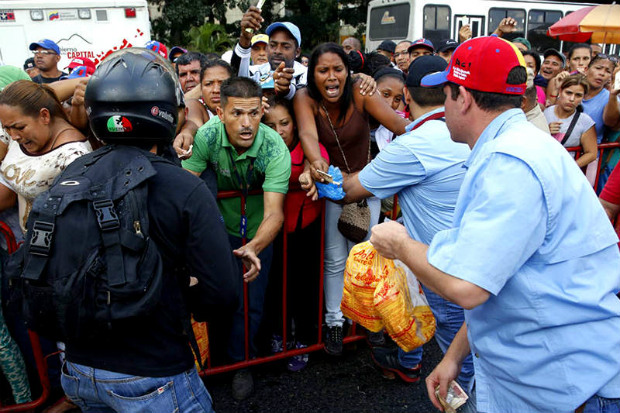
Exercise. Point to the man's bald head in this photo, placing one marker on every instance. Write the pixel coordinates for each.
(351, 43)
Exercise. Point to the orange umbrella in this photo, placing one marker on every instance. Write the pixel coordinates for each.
(600, 24)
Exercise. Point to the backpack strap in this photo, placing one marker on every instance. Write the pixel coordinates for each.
(41, 238)
(102, 196)
(109, 227)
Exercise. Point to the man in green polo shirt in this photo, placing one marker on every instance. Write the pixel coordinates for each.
(245, 156)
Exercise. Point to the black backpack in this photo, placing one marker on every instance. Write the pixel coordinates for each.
(88, 260)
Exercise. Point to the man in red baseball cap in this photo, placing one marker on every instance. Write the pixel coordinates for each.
(530, 256)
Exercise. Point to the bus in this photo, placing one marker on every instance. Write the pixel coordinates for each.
(437, 20)
(81, 28)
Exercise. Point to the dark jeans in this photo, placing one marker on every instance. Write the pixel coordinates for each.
(256, 301)
(302, 293)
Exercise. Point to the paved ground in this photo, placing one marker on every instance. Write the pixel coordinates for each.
(348, 384)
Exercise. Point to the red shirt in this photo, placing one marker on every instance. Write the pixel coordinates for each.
(611, 192)
(296, 200)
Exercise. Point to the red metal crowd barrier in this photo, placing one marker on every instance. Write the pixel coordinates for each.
(286, 352)
(41, 360)
(578, 151)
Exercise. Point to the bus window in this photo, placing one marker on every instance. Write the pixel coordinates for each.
(496, 15)
(476, 24)
(538, 22)
(436, 23)
(389, 22)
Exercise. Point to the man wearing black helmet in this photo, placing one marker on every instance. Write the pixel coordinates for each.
(145, 363)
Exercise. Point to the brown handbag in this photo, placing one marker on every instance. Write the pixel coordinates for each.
(354, 221)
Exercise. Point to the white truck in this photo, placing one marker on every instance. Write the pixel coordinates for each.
(81, 28)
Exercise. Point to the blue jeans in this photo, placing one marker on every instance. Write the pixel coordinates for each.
(449, 318)
(256, 302)
(595, 404)
(598, 404)
(102, 391)
(337, 249)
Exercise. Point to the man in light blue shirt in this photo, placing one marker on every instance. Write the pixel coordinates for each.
(531, 255)
(425, 167)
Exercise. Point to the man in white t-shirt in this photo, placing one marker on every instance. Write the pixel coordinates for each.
(281, 73)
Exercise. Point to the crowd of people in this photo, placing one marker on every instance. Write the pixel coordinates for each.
(502, 226)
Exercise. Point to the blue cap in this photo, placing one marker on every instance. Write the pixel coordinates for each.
(46, 44)
(421, 43)
(175, 50)
(79, 71)
(288, 26)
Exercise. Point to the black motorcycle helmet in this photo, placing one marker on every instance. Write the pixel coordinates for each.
(133, 99)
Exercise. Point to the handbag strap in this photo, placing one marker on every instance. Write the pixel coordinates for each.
(338, 140)
(572, 124)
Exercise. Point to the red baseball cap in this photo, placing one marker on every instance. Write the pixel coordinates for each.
(158, 47)
(482, 64)
(83, 61)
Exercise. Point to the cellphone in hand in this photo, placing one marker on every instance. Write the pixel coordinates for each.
(259, 6)
(617, 81)
(327, 177)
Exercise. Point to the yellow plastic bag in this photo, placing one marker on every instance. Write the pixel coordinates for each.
(364, 269)
(202, 338)
(379, 292)
(400, 301)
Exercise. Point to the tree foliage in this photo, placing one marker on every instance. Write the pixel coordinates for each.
(354, 13)
(317, 20)
(209, 38)
(179, 16)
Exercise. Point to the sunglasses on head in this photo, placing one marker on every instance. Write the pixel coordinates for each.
(611, 58)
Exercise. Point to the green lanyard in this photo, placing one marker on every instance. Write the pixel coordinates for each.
(243, 224)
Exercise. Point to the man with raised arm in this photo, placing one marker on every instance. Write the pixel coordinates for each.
(281, 73)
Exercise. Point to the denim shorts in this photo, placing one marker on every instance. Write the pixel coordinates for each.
(97, 390)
